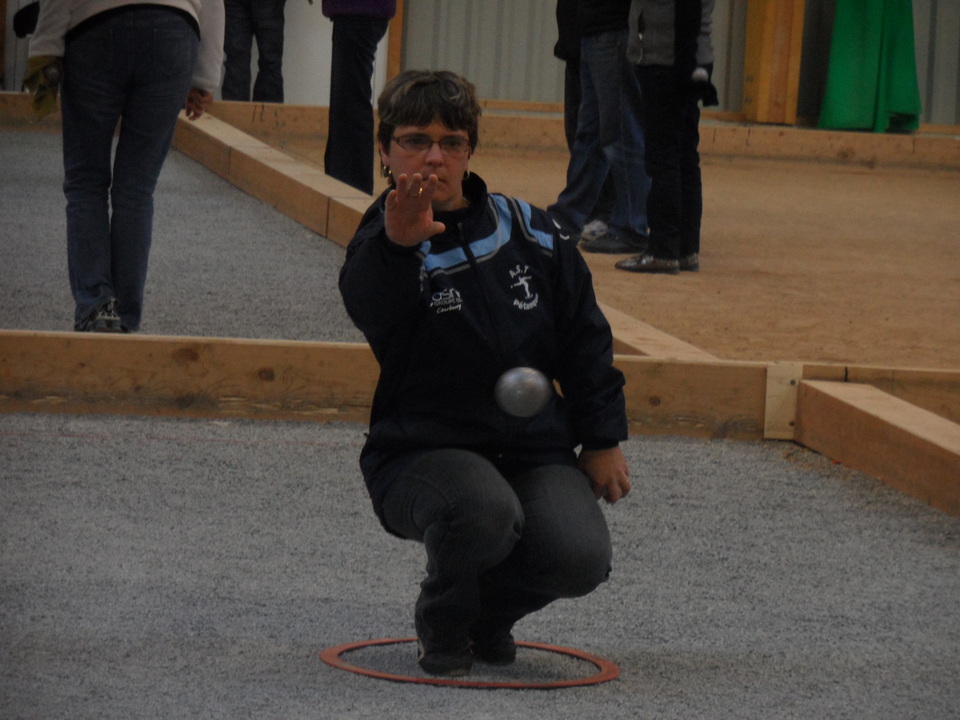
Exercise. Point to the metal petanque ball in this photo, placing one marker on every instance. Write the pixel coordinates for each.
(523, 391)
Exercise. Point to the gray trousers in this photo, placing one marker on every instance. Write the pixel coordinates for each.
(498, 546)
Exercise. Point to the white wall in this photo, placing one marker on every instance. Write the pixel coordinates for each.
(306, 56)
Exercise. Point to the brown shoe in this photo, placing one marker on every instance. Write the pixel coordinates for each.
(649, 264)
(690, 262)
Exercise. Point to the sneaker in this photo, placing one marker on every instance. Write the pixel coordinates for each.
(613, 244)
(647, 263)
(593, 229)
(496, 650)
(444, 663)
(104, 319)
(690, 262)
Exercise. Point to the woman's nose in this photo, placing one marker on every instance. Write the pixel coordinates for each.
(434, 154)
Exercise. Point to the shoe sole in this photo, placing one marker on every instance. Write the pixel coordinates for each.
(650, 270)
(637, 250)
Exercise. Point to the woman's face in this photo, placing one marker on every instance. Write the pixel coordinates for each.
(447, 156)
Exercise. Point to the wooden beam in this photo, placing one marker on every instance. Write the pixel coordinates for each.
(694, 398)
(395, 42)
(180, 376)
(225, 377)
(862, 427)
(937, 391)
(634, 337)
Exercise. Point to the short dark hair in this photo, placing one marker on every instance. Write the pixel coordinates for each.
(421, 97)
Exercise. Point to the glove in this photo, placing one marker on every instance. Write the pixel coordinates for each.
(43, 80)
(705, 88)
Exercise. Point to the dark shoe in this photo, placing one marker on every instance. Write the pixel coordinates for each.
(104, 319)
(690, 262)
(444, 663)
(649, 264)
(613, 244)
(496, 650)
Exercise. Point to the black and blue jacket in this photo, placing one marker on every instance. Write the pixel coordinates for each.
(500, 288)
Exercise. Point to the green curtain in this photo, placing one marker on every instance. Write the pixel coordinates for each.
(872, 75)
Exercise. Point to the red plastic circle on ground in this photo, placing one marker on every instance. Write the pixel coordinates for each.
(606, 669)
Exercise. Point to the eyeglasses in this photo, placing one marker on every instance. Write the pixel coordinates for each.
(452, 145)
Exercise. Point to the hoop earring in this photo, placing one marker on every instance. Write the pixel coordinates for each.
(385, 171)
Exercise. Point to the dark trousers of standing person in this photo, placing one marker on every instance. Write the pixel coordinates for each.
(133, 66)
(572, 96)
(350, 143)
(245, 21)
(501, 542)
(671, 122)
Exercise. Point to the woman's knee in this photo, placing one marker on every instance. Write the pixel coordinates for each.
(464, 492)
(582, 568)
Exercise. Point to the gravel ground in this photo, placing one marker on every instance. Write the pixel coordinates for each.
(169, 568)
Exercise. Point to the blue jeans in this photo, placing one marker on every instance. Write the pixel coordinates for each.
(609, 140)
(349, 153)
(246, 20)
(501, 542)
(133, 66)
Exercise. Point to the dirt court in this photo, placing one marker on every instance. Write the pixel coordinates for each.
(801, 261)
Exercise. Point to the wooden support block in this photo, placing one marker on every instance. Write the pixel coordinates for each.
(779, 418)
(194, 377)
(698, 399)
(862, 427)
(772, 60)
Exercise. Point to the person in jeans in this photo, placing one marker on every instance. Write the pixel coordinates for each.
(567, 49)
(246, 21)
(358, 26)
(452, 285)
(673, 48)
(609, 139)
(136, 64)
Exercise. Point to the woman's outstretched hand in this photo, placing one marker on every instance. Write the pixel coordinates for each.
(409, 212)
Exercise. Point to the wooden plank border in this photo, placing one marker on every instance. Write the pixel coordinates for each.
(907, 447)
(182, 376)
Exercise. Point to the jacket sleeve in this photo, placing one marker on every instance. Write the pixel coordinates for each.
(379, 281)
(705, 40)
(52, 25)
(588, 379)
(206, 74)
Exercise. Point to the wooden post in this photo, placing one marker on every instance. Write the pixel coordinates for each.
(772, 60)
(395, 43)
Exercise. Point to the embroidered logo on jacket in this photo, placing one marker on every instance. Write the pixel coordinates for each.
(520, 277)
(446, 300)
